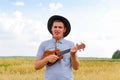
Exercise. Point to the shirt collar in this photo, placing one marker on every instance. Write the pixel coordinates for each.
(60, 41)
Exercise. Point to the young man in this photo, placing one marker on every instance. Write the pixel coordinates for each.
(61, 69)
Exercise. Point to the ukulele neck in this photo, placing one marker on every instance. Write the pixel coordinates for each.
(63, 52)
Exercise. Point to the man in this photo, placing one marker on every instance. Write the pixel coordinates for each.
(61, 69)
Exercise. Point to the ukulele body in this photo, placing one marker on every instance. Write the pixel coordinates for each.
(54, 52)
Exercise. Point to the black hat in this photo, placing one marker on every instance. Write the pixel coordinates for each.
(61, 18)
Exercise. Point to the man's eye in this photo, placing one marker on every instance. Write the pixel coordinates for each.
(60, 27)
(55, 26)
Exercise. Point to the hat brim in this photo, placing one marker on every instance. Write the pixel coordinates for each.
(61, 18)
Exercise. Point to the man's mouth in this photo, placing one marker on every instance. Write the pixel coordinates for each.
(56, 32)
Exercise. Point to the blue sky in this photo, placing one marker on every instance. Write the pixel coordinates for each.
(94, 22)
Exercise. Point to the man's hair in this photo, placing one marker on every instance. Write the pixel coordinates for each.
(58, 20)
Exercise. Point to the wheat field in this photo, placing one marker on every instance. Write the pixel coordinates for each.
(22, 68)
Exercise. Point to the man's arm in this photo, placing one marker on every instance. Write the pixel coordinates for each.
(74, 59)
(40, 63)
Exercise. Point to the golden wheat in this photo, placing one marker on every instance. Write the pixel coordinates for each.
(90, 69)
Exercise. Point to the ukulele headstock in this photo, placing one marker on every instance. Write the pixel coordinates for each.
(81, 46)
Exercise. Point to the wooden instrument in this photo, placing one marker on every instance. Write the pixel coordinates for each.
(60, 53)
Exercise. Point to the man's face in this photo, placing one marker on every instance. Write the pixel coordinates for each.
(58, 29)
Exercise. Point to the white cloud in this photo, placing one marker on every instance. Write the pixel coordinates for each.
(98, 28)
(55, 6)
(19, 3)
(18, 14)
(19, 35)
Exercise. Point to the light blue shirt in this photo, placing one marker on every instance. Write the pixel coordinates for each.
(61, 70)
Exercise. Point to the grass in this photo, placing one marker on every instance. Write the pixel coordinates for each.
(22, 68)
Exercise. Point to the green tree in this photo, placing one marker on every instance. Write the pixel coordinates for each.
(116, 55)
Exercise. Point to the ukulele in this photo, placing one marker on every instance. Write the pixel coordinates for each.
(59, 53)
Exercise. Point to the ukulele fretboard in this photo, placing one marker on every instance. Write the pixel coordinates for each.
(63, 52)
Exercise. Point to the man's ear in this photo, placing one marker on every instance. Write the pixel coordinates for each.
(64, 30)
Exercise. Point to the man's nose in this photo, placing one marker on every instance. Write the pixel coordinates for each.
(57, 27)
